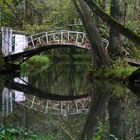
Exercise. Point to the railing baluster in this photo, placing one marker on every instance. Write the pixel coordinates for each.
(32, 42)
(47, 37)
(61, 104)
(83, 38)
(77, 38)
(39, 40)
(47, 107)
(33, 101)
(61, 36)
(53, 36)
(68, 36)
(76, 104)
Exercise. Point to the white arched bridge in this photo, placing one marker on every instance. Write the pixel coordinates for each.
(15, 48)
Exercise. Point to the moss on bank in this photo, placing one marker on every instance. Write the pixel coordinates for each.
(119, 71)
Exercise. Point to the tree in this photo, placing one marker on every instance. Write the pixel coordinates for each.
(116, 39)
(100, 58)
(117, 117)
(112, 22)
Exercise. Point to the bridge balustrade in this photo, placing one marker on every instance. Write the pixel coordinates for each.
(65, 37)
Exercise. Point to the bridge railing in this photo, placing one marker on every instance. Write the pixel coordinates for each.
(78, 39)
(75, 38)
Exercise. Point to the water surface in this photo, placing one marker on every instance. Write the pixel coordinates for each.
(60, 103)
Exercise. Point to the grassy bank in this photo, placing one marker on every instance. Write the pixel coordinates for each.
(119, 71)
(35, 62)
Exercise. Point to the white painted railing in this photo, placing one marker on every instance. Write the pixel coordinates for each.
(66, 37)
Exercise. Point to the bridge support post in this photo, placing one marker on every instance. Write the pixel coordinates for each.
(32, 42)
(6, 40)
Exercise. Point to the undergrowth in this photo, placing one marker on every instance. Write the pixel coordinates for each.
(120, 70)
(34, 63)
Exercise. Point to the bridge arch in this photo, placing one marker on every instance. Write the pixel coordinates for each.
(52, 39)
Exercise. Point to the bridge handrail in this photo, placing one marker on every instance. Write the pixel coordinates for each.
(61, 36)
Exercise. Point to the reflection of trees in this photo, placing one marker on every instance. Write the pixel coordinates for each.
(120, 103)
(132, 109)
(97, 108)
(117, 116)
(65, 79)
(28, 88)
(106, 93)
(41, 124)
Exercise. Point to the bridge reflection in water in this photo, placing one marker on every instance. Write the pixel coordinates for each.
(56, 105)
(107, 100)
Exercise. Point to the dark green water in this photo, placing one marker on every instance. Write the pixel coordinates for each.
(60, 103)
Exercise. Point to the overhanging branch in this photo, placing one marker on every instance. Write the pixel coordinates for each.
(13, 12)
(112, 22)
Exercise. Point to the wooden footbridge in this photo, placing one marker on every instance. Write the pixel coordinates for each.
(37, 43)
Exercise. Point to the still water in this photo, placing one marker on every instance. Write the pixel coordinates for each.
(60, 103)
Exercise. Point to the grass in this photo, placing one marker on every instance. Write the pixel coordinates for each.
(120, 71)
(38, 60)
(35, 62)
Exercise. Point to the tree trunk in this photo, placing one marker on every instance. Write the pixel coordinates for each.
(2, 63)
(112, 22)
(117, 117)
(116, 39)
(97, 50)
(25, 12)
(100, 98)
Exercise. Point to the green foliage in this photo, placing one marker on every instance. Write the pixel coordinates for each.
(99, 132)
(35, 63)
(120, 70)
(104, 30)
(24, 67)
(8, 133)
(39, 59)
(39, 15)
(32, 29)
(134, 50)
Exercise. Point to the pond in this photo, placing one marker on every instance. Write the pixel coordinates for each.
(61, 103)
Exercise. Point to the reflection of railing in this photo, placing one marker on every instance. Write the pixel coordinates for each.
(58, 107)
(54, 107)
(9, 97)
(50, 104)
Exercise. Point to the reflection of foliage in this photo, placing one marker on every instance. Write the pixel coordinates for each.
(45, 126)
(8, 133)
(120, 71)
(34, 63)
(101, 133)
(62, 78)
